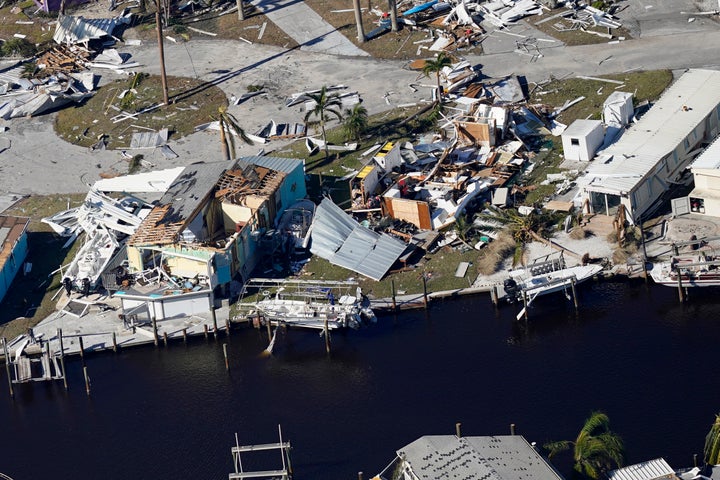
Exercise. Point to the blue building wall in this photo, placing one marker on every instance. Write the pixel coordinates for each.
(13, 264)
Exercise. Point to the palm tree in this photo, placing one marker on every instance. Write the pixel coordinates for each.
(435, 66)
(356, 122)
(229, 124)
(595, 449)
(325, 105)
(523, 228)
(712, 443)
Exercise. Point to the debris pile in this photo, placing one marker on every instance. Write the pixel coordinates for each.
(580, 16)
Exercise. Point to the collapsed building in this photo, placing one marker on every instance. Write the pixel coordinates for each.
(209, 227)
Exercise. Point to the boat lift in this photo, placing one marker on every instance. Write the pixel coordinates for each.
(284, 473)
(531, 293)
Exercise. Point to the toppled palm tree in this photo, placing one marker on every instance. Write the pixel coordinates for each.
(435, 66)
(326, 106)
(522, 228)
(595, 449)
(229, 125)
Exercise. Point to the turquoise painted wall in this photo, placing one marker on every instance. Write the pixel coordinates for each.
(13, 264)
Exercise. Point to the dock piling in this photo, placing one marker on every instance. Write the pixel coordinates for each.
(225, 354)
(7, 366)
(327, 336)
(184, 335)
(458, 430)
(114, 340)
(525, 305)
(269, 329)
(425, 295)
(214, 319)
(87, 380)
(512, 429)
(205, 328)
(392, 287)
(360, 475)
(155, 331)
(227, 326)
(82, 351)
(494, 295)
(681, 295)
(574, 293)
(62, 358)
(165, 339)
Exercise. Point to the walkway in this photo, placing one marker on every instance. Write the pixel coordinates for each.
(307, 28)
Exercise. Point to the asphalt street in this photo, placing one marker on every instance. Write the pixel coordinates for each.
(34, 161)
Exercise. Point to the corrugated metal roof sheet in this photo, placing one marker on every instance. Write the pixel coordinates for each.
(650, 470)
(71, 29)
(506, 457)
(286, 165)
(342, 241)
(621, 166)
(710, 158)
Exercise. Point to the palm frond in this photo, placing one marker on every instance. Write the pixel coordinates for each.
(596, 421)
(712, 443)
(554, 448)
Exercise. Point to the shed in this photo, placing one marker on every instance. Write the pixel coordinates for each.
(13, 249)
(618, 109)
(582, 139)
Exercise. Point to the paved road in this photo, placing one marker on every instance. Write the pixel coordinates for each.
(37, 162)
(307, 28)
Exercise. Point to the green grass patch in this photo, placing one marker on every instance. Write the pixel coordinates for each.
(439, 268)
(192, 102)
(645, 85)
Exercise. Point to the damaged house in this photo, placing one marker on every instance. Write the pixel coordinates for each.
(212, 224)
(633, 174)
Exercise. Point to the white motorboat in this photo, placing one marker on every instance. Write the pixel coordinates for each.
(295, 222)
(545, 278)
(696, 270)
(307, 304)
(83, 273)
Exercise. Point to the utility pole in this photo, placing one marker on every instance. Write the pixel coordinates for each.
(161, 50)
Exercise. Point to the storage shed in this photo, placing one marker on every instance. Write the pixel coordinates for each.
(618, 109)
(582, 139)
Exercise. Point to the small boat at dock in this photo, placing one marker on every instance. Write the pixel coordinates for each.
(699, 269)
(545, 277)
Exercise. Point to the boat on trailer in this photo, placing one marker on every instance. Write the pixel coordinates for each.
(700, 269)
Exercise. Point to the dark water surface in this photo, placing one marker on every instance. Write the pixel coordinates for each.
(634, 352)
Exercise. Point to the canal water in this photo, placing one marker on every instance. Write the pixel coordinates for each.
(633, 352)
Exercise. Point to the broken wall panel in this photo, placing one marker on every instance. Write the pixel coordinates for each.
(413, 211)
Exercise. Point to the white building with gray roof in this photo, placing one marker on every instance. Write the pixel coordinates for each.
(503, 457)
(651, 155)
